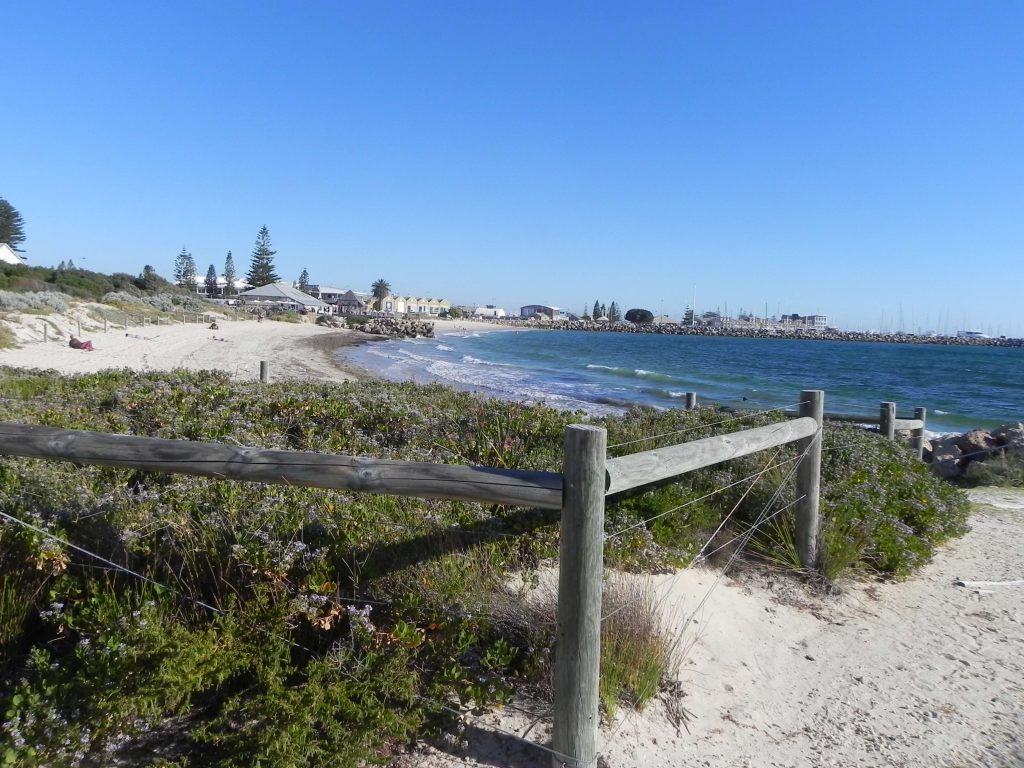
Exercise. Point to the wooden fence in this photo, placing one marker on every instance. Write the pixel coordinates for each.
(580, 490)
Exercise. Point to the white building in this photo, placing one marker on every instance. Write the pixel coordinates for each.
(10, 256)
(490, 311)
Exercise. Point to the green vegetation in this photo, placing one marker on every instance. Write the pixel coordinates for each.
(278, 625)
(1004, 469)
(261, 265)
(12, 225)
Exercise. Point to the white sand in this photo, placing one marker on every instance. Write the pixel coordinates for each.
(921, 673)
(292, 350)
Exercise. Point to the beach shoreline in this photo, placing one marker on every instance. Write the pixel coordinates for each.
(293, 351)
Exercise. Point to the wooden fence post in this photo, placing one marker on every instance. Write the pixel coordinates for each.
(691, 400)
(917, 435)
(104, 323)
(580, 571)
(46, 333)
(887, 420)
(264, 371)
(808, 481)
(79, 334)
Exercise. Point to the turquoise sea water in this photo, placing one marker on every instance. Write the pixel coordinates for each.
(962, 387)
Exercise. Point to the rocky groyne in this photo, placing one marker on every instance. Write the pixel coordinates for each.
(953, 456)
(673, 329)
(403, 329)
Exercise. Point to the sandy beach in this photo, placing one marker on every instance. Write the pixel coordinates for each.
(292, 350)
(927, 672)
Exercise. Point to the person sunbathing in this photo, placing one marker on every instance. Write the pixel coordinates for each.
(76, 343)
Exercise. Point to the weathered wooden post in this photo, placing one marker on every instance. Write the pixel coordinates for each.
(691, 400)
(887, 420)
(808, 481)
(580, 571)
(264, 372)
(917, 435)
(104, 323)
(79, 334)
(46, 333)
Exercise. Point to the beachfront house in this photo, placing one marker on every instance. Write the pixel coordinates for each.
(414, 305)
(10, 256)
(552, 313)
(218, 292)
(490, 311)
(282, 297)
(352, 303)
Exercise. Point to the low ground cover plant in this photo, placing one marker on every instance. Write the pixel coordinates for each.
(152, 618)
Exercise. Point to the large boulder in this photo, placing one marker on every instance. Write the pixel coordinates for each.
(1009, 436)
(976, 445)
(946, 457)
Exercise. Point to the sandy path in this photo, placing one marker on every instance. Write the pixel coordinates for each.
(920, 673)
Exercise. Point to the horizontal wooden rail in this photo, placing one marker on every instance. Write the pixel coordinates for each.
(648, 467)
(857, 419)
(312, 470)
(908, 424)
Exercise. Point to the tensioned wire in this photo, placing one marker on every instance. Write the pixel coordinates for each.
(754, 479)
(695, 427)
(761, 519)
(708, 495)
(123, 569)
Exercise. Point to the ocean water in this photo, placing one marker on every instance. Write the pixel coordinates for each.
(962, 387)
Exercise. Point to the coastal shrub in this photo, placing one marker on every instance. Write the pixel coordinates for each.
(637, 654)
(278, 605)
(7, 338)
(880, 499)
(45, 300)
(287, 317)
(162, 302)
(1003, 470)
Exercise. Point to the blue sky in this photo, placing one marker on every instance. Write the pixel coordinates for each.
(862, 160)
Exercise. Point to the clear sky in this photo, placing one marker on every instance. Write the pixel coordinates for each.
(863, 160)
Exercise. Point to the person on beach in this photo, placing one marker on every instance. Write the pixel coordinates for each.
(76, 343)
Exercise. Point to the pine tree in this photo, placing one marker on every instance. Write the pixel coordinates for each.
(12, 226)
(189, 280)
(613, 313)
(62, 266)
(211, 282)
(304, 281)
(229, 275)
(261, 269)
(597, 310)
(181, 266)
(603, 311)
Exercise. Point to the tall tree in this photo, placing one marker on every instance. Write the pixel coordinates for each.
(614, 315)
(150, 279)
(181, 266)
(190, 273)
(597, 310)
(381, 289)
(304, 281)
(261, 268)
(211, 282)
(229, 275)
(12, 226)
(602, 311)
